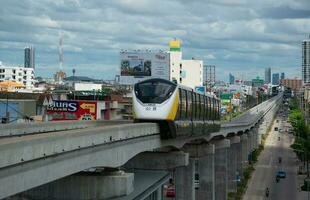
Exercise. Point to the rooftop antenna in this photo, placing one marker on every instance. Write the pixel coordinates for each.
(60, 50)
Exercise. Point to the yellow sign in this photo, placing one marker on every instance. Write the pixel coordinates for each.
(175, 45)
(91, 107)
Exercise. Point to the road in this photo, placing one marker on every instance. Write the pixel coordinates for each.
(268, 165)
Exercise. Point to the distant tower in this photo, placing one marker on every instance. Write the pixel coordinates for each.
(282, 76)
(60, 51)
(231, 79)
(29, 57)
(268, 75)
(275, 78)
(306, 60)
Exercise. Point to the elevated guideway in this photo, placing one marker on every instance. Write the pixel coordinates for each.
(33, 160)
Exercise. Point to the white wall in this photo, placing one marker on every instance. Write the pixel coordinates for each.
(87, 86)
(186, 72)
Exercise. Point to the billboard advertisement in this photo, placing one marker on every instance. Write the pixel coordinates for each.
(139, 65)
(72, 110)
(200, 89)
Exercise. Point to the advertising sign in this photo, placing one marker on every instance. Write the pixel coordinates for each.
(72, 110)
(136, 66)
(200, 89)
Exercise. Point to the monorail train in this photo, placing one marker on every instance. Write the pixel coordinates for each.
(177, 109)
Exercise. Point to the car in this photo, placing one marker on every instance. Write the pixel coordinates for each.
(170, 191)
(281, 174)
(276, 128)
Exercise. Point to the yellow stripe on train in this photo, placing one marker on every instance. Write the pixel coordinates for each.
(174, 109)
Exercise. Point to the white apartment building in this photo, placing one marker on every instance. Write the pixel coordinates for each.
(17, 74)
(185, 72)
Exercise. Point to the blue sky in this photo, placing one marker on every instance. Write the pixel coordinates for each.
(242, 37)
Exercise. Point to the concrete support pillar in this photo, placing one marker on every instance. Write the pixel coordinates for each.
(205, 170)
(184, 181)
(221, 165)
(86, 186)
(235, 162)
(244, 151)
(250, 143)
(257, 138)
(203, 153)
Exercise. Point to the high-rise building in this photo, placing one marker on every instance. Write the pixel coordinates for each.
(268, 75)
(29, 57)
(282, 76)
(306, 60)
(231, 79)
(275, 78)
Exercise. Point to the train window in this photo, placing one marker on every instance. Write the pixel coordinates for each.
(210, 108)
(186, 104)
(183, 103)
(213, 109)
(154, 91)
(194, 105)
(200, 107)
(203, 107)
(190, 105)
(179, 112)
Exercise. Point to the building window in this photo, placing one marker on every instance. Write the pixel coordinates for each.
(14, 71)
(20, 80)
(24, 82)
(180, 80)
(2, 70)
(13, 77)
(180, 65)
(25, 77)
(25, 72)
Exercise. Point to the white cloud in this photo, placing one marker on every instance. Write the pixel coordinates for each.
(230, 34)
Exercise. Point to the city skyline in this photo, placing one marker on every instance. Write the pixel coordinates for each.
(259, 35)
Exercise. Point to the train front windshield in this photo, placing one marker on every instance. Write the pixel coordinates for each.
(154, 91)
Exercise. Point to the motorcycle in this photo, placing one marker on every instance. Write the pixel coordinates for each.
(280, 159)
(267, 192)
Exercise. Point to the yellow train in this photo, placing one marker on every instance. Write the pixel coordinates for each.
(178, 110)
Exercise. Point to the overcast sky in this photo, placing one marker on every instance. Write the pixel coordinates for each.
(242, 38)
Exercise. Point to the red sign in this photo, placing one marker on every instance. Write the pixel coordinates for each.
(72, 110)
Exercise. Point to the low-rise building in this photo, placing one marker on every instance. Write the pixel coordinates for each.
(17, 74)
(294, 84)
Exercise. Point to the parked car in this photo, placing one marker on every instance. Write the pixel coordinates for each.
(276, 128)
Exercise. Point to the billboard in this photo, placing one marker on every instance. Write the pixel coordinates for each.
(72, 110)
(139, 65)
(200, 89)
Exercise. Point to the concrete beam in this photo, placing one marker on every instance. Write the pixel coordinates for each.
(31, 128)
(86, 186)
(198, 150)
(158, 160)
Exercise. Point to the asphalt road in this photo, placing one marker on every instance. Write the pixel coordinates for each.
(268, 165)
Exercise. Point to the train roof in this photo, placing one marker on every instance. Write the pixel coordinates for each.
(179, 85)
